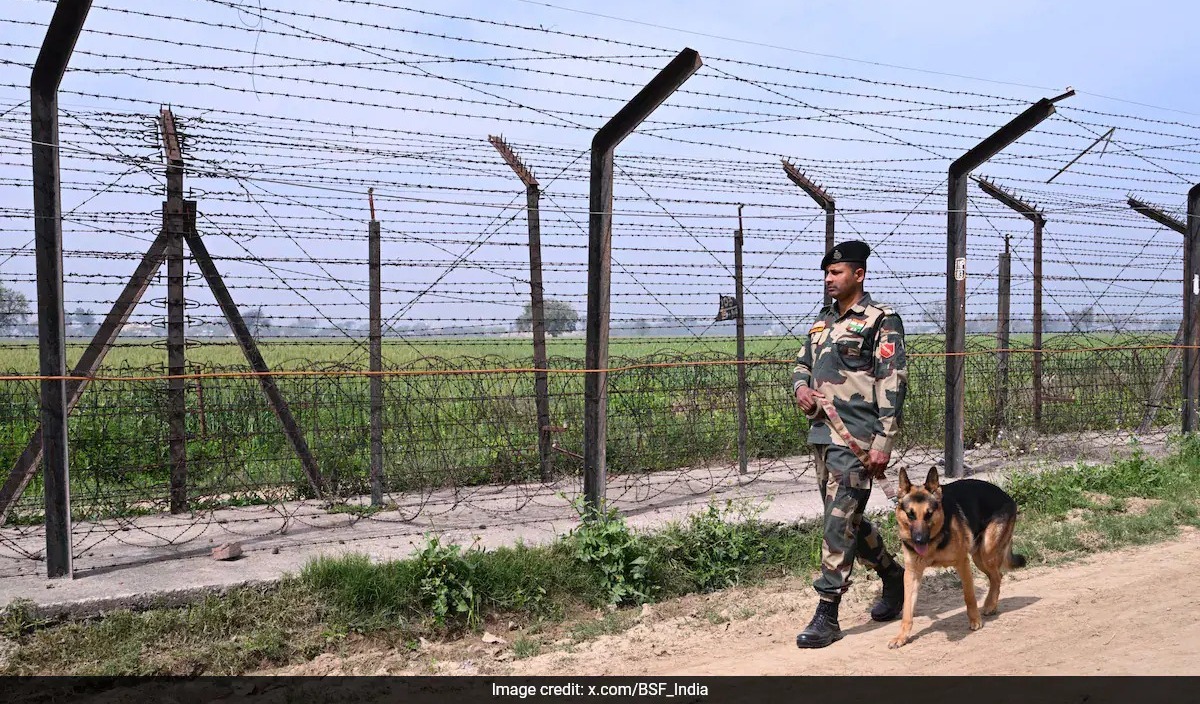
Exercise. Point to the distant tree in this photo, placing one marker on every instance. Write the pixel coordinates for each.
(83, 317)
(559, 317)
(1082, 320)
(257, 320)
(14, 308)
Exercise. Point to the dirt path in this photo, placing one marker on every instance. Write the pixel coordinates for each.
(1129, 612)
(1133, 611)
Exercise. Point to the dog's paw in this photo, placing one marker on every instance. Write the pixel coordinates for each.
(976, 623)
(897, 642)
(988, 610)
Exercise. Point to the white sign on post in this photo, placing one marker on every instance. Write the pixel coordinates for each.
(960, 269)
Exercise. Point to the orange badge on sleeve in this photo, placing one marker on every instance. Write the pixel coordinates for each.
(887, 349)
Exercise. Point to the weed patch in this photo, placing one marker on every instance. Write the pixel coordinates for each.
(604, 542)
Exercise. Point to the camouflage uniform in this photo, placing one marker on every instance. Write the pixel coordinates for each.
(855, 360)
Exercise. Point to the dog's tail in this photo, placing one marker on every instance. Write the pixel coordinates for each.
(1012, 560)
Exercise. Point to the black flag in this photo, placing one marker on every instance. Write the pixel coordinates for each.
(728, 310)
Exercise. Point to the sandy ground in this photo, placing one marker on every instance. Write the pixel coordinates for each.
(1132, 611)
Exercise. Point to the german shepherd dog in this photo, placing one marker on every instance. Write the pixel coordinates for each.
(941, 526)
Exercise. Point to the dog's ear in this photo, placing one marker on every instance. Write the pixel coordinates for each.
(931, 480)
(905, 484)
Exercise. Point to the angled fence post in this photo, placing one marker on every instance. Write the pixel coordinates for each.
(375, 333)
(173, 227)
(742, 388)
(541, 382)
(1003, 317)
(1171, 364)
(595, 392)
(1191, 318)
(29, 461)
(823, 200)
(250, 349)
(57, 47)
(1039, 223)
(956, 268)
(275, 399)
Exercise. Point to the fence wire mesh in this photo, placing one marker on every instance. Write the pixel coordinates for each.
(287, 116)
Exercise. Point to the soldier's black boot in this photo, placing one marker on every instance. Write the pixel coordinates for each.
(823, 629)
(890, 604)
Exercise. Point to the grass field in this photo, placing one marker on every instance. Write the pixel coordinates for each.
(21, 356)
(468, 429)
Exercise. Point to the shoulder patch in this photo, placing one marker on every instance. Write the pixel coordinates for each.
(817, 327)
(886, 311)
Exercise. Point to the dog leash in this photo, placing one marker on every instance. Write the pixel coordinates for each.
(863, 456)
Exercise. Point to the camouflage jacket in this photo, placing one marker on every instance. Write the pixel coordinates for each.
(856, 360)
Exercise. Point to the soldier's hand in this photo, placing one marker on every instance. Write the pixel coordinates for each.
(878, 462)
(806, 397)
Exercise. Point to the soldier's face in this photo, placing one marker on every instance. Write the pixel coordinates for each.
(843, 279)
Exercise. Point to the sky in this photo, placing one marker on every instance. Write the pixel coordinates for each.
(292, 109)
(1100, 48)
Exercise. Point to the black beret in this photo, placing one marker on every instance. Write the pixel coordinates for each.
(852, 251)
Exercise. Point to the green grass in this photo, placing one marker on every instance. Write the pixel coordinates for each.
(1065, 514)
(1054, 493)
(607, 625)
(526, 648)
(1098, 496)
(363, 597)
(132, 354)
(20, 356)
(221, 635)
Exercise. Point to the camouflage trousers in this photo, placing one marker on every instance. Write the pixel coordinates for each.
(845, 488)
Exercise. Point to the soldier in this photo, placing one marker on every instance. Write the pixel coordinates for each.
(851, 375)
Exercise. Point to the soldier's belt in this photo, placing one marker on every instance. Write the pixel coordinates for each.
(835, 420)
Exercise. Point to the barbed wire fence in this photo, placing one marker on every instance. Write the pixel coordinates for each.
(284, 120)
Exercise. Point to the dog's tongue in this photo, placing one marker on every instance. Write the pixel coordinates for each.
(920, 549)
